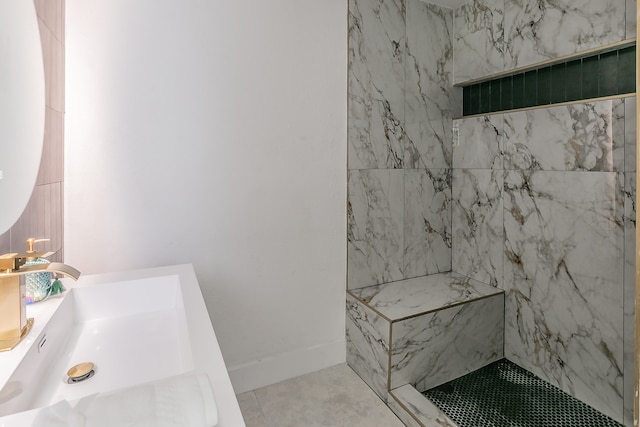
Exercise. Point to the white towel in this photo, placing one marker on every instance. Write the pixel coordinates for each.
(60, 414)
(183, 401)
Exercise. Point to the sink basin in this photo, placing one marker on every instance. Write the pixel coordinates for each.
(133, 327)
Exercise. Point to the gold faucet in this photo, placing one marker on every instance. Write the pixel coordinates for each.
(14, 325)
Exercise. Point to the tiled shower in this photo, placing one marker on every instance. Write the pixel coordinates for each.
(538, 203)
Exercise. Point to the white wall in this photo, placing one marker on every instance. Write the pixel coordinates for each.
(214, 132)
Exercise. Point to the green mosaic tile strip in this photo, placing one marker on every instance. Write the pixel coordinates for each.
(604, 74)
(503, 394)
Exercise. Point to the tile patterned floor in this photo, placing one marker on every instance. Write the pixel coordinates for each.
(332, 397)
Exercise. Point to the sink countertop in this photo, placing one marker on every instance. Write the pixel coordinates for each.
(207, 356)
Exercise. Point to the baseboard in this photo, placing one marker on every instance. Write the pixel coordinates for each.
(271, 370)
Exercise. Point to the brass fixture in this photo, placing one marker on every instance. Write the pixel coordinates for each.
(14, 325)
(80, 372)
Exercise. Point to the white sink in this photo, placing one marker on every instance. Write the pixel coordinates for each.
(132, 326)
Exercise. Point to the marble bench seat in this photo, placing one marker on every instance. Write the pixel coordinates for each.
(423, 331)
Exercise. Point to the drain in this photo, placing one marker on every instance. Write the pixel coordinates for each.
(80, 372)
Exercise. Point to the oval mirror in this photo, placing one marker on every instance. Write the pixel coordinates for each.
(22, 107)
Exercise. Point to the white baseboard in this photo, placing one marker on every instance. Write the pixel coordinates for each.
(271, 370)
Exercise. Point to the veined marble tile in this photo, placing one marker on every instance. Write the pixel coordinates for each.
(368, 345)
(538, 30)
(479, 142)
(478, 39)
(563, 273)
(407, 400)
(630, 134)
(422, 294)
(434, 348)
(477, 220)
(429, 99)
(431, 144)
(377, 48)
(565, 138)
(375, 212)
(427, 221)
(629, 292)
(631, 18)
(618, 134)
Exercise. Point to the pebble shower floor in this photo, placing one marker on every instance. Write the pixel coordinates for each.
(503, 394)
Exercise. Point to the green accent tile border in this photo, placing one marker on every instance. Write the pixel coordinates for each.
(608, 73)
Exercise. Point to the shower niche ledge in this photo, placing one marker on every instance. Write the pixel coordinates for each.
(409, 336)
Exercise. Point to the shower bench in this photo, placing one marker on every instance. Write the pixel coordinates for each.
(411, 335)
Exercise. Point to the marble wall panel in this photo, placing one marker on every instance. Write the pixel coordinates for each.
(563, 273)
(539, 30)
(430, 146)
(367, 336)
(629, 292)
(587, 136)
(618, 133)
(631, 19)
(375, 209)
(479, 142)
(427, 222)
(630, 134)
(477, 223)
(429, 102)
(478, 39)
(434, 348)
(491, 36)
(377, 48)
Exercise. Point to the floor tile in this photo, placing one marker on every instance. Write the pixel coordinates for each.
(334, 397)
(250, 409)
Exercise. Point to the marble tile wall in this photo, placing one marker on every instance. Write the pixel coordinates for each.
(586, 136)
(546, 213)
(368, 337)
(539, 203)
(377, 46)
(629, 256)
(491, 36)
(630, 134)
(399, 224)
(427, 222)
(434, 348)
(423, 331)
(563, 267)
(478, 39)
(400, 106)
(375, 212)
(429, 101)
(477, 223)
(629, 293)
(630, 24)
